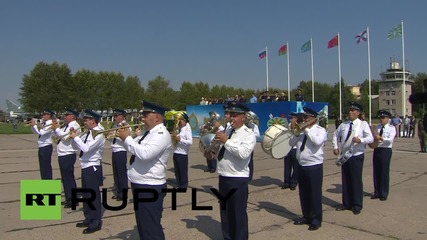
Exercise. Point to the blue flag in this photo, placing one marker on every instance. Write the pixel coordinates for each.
(306, 46)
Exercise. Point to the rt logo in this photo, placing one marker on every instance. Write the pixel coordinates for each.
(40, 200)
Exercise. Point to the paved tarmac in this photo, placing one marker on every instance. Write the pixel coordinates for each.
(270, 209)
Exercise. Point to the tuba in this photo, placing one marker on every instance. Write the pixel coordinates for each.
(251, 119)
(207, 133)
(177, 117)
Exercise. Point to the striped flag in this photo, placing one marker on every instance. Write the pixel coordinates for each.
(262, 54)
(283, 50)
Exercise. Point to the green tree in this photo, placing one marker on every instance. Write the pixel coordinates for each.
(132, 93)
(418, 87)
(159, 92)
(85, 82)
(47, 86)
(187, 95)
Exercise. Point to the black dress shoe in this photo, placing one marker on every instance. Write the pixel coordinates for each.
(383, 198)
(314, 227)
(285, 187)
(374, 196)
(292, 188)
(212, 171)
(300, 221)
(206, 170)
(356, 211)
(68, 205)
(82, 225)
(342, 208)
(114, 197)
(119, 199)
(91, 230)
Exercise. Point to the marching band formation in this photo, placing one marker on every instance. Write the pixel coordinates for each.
(228, 151)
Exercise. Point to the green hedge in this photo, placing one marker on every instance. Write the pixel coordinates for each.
(7, 128)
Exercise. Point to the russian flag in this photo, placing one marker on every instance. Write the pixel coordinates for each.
(262, 54)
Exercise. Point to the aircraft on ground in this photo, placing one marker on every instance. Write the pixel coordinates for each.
(13, 111)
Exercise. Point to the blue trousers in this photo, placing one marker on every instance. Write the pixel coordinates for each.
(211, 164)
(92, 179)
(310, 179)
(149, 214)
(45, 162)
(118, 162)
(66, 167)
(180, 164)
(291, 169)
(234, 219)
(381, 166)
(352, 184)
(251, 166)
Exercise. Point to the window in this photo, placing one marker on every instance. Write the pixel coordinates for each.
(393, 101)
(387, 93)
(388, 102)
(393, 93)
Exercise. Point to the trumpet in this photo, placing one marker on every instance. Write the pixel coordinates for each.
(66, 138)
(37, 121)
(107, 134)
(47, 126)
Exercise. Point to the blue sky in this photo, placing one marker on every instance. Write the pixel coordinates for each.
(216, 42)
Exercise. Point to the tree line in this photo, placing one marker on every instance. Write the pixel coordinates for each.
(54, 86)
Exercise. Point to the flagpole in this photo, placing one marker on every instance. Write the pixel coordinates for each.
(266, 64)
(339, 74)
(404, 74)
(369, 76)
(289, 78)
(312, 70)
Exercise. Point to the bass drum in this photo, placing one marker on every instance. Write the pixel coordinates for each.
(276, 141)
(206, 141)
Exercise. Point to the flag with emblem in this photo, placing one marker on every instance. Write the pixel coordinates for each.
(395, 32)
(306, 46)
(283, 50)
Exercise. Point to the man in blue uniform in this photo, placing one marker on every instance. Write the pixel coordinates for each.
(119, 156)
(310, 169)
(45, 144)
(290, 160)
(92, 148)
(233, 159)
(354, 134)
(148, 172)
(382, 156)
(184, 140)
(67, 152)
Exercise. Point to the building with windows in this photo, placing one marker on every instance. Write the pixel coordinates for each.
(391, 87)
